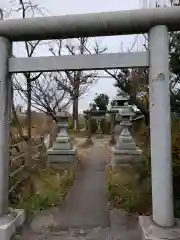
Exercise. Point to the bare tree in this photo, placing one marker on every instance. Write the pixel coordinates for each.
(76, 83)
(46, 95)
(24, 9)
(3, 15)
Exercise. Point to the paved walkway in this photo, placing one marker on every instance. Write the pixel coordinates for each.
(85, 214)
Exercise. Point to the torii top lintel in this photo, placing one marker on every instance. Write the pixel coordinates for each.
(91, 24)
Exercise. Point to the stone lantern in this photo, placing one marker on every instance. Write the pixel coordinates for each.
(62, 151)
(125, 150)
(118, 104)
(119, 101)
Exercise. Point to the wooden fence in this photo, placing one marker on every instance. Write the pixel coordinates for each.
(18, 160)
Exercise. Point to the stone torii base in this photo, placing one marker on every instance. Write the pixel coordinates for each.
(10, 222)
(151, 231)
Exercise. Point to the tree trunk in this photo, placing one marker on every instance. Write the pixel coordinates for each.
(29, 109)
(29, 149)
(75, 113)
(77, 82)
(29, 123)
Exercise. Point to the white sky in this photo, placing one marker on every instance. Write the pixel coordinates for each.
(114, 44)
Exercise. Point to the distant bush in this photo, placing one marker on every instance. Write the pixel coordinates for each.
(176, 163)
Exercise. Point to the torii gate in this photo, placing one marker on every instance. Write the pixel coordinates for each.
(155, 22)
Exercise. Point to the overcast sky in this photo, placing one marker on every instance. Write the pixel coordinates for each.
(114, 44)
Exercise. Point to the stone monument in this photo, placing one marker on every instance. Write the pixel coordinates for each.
(62, 151)
(125, 151)
(98, 118)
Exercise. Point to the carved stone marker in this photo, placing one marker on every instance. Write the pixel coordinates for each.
(99, 132)
(62, 151)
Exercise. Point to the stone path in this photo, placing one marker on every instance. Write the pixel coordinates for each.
(85, 214)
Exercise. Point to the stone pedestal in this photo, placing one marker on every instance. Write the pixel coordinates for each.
(10, 223)
(62, 151)
(125, 151)
(151, 231)
(118, 128)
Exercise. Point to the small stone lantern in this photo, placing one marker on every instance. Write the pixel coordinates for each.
(62, 151)
(125, 150)
(119, 101)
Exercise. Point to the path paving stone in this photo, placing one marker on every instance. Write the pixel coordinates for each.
(85, 214)
(86, 205)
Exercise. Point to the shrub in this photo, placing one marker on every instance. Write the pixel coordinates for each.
(126, 191)
(143, 139)
(176, 163)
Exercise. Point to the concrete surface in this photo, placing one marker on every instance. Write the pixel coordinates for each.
(122, 227)
(151, 231)
(85, 214)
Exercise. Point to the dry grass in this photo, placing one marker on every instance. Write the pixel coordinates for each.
(41, 123)
(87, 143)
(45, 187)
(82, 153)
(129, 188)
(50, 187)
(141, 136)
(108, 155)
(127, 192)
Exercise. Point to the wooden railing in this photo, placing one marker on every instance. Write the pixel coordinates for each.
(18, 161)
